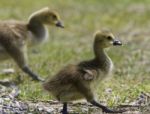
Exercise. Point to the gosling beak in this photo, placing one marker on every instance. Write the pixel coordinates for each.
(59, 24)
(117, 43)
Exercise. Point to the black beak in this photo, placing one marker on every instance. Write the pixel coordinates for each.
(117, 43)
(59, 24)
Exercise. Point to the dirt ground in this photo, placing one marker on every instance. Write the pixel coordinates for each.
(10, 104)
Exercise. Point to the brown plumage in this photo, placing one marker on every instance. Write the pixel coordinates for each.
(77, 81)
(15, 36)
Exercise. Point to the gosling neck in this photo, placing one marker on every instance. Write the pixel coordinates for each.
(102, 59)
(37, 28)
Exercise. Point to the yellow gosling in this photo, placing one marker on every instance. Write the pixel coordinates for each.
(15, 36)
(76, 82)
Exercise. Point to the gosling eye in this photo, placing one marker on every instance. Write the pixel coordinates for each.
(109, 38)
(54, 17)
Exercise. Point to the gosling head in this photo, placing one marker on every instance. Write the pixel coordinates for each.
(106, 39)
(47, 17)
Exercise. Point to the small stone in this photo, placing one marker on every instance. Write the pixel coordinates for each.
(48, 109)
(7, 99)
(108, 90)
(8, 71)
(40, 108)
(1, 101)
(84, 109)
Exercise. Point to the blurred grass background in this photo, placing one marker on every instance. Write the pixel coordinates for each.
(127, 19)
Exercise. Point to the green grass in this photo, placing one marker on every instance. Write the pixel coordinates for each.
(128, 19)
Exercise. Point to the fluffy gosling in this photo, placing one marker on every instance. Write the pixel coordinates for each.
(76, 82)
(15, 36)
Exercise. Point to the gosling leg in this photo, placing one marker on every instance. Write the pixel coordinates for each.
(64, 110)
(19, 55)
(85, 90)
(104, 108)
(34, 76)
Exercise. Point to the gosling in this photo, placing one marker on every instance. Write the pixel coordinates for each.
(16, 36)
(76, 82)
